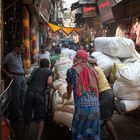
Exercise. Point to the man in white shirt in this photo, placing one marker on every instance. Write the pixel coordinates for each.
(68, 52)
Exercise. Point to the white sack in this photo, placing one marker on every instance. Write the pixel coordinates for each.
(68, 101)
(129, 60)
(105, 61)
(61, 84)
(57, 83)
(129, 74)
(62, 65)
(62, 89)
(131, 105)
(134, 58)
(65, 108)
(63, 118)
(125, 91)
(115, 46)
(56, 99)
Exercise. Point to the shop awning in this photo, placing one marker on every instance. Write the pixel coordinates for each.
(66, 30)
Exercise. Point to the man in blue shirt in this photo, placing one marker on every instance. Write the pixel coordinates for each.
(13, 62)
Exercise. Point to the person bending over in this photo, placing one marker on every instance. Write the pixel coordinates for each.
(106, 99)
(35, 98)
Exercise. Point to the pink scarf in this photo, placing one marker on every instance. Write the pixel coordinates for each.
(86, 80)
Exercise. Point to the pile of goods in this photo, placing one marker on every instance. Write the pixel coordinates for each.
(121, 62)
(63, 109)
(62, 65)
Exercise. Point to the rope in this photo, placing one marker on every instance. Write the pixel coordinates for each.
(1, 114)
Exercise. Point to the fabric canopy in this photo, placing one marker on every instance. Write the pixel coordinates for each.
(66, 30)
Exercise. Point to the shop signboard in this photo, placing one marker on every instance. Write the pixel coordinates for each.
(105, 10)
(87, 1)
(89, 11)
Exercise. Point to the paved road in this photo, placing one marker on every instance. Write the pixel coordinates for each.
(127, 127)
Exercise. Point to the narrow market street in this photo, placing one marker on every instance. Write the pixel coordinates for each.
(69, 69)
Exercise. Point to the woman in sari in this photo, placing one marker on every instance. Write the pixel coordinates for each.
(82, 79)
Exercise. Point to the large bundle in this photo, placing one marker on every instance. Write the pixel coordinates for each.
(115, 46)
(127, 85)
(57, 100)
(62, 65)
(125, 91)
(134, 58)
(63, 118)
(130, 74)
(129, 59)
(105, 61)
(63, 108)
(131, 105)
(61, 84)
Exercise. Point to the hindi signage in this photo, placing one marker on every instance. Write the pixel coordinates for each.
(89, 11)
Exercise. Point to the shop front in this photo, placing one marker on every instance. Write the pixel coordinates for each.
(128, 20)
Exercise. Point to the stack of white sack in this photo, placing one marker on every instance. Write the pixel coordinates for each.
(134, 58)
(127, 85)
(63, 108)
(122, 48)
(115, 46)
(105, 61)
(62, 65)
